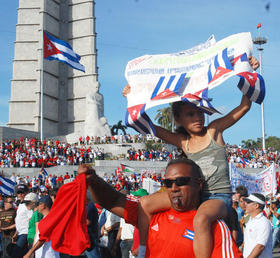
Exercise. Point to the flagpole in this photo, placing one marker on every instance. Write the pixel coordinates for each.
(42, 90)
(261, 41)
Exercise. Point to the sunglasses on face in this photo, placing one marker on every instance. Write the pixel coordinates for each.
(20, 192)
(179, 181)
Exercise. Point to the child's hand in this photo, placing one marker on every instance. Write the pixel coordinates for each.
(126, 90)
(254, 62)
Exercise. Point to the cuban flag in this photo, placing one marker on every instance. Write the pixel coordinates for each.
(6, 186)
(137, 119)
(188, 234)
(244, 161)
(45, 173)
(220, 67)
(56, 49)
(252, 85)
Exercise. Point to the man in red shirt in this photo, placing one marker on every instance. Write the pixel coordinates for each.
(171, 231)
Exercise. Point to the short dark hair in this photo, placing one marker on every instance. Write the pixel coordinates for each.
(196, 170)
(53, 192)
(242, 190)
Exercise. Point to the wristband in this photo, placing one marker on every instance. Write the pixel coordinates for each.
(141, 251)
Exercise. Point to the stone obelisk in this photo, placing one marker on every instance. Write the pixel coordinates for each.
(72, 104)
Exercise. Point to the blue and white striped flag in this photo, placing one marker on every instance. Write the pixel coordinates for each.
(189, 234)
(137, 119)
(45, 173)
(6, 186)
(219, 68)
(56, 49)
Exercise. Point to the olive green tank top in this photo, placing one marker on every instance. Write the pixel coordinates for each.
(214, 165)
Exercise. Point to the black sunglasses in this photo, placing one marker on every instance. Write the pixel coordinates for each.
(179, 181)
(20, 192)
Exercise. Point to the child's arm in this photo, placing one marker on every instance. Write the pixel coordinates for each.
(219, 125)
(149, 205)
(169, 137)
(230, 119)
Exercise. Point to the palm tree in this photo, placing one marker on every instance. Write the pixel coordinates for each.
(164, 117)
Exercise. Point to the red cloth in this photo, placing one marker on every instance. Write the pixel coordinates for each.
(136, 241)
(66, 224)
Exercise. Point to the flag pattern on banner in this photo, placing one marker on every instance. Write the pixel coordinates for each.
(252, 85)
(188, 234)
(167, 88)
(56, 49)
(219, 67)
(200, 99)
(240, 58)
(127, 169)
(6, 186)
(137, 119)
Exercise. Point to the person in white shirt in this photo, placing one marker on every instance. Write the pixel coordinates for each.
(258, 230)
(125, 234)
(22, 221)
(111, 228)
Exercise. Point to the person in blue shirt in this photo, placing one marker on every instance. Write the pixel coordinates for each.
(275, 215)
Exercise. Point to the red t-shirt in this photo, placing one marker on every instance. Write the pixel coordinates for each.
(171, 234)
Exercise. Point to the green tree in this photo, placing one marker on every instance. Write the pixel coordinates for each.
(270, 142)
(119, 126)
(151, 145)
(252, 143)
(273, 142)
(164, 117)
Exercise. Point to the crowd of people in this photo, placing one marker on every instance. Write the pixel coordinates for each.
(31, 152)
(35, 153)
(117, 139)
(32, 200)
(252, 157)
(151, 155)
(113, 236)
